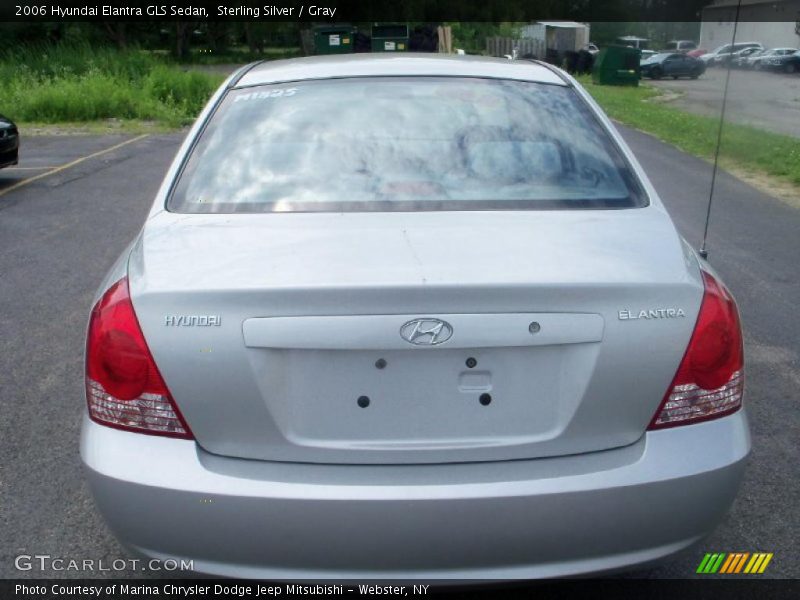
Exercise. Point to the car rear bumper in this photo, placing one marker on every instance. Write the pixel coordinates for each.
(167, 498)
(9, 151)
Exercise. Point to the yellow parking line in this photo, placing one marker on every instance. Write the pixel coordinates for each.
(65, 166)
(30, 168)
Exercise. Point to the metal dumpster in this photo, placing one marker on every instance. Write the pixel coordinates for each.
(617, 65)
(334, 39)
(390, 38)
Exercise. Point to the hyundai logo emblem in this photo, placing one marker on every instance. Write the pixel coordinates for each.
(426, 332)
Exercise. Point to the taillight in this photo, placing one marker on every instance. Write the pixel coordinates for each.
(123, 386)
(710, 379)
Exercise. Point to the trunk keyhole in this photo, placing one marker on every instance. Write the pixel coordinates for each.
(363, 401)
(485, 399)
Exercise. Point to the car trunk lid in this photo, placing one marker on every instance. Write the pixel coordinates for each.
(286, 336)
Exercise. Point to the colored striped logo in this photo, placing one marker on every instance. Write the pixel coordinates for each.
(735, 562)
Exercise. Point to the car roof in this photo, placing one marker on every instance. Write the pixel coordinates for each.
(410, 64)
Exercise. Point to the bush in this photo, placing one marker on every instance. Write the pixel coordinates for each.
(186, 91)
(57, 83)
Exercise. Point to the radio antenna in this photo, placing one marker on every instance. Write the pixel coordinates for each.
(703, 246)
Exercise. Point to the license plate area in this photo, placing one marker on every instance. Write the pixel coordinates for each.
(404, 399)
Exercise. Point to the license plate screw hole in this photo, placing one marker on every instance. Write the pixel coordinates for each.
(485, 399)
(534, 327)
(380, 364)
(471, 363)
(363, 401)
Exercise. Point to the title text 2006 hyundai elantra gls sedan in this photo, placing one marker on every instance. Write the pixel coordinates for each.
(411, 317)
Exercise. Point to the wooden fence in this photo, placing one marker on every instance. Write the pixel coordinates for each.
(500, 46)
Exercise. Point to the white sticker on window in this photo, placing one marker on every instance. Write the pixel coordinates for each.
(266, 95)
(333, 40)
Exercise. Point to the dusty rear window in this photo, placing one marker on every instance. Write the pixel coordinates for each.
(403, 144)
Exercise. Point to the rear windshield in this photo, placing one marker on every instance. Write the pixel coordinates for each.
(403, 144)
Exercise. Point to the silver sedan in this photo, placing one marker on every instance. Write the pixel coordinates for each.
(411, 317)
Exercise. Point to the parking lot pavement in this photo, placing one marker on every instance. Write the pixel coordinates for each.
(59, 234)
(52, 155)
(762, 99)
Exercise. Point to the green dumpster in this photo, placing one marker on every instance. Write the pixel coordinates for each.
(617, 65)
(334, 39)
(390, 38)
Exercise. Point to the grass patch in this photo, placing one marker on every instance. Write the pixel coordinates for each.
(742, 146)
(48, 83)
(99, 127)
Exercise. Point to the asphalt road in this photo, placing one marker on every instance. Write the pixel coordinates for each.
(60, 233)
(762, 99)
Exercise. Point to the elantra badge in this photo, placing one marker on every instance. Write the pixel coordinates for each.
(426, 332)
(653, 313)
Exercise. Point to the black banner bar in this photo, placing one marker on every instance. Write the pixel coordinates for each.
(742, 587)
(395, 10)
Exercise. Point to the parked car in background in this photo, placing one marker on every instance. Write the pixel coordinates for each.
(738, 58)
(788, 63)
(9, 142)
(751, 60)
(646, 54)
(673, 65)
(680, 46)
(756, 60)
(722, 55)
(697, 53)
